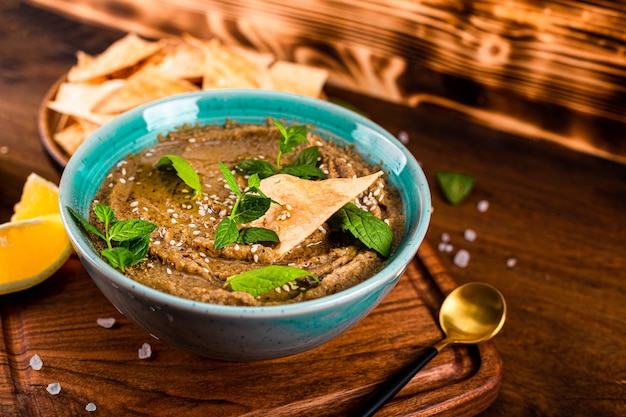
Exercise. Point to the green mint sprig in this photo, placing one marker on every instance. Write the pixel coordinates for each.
(363, 225)
(262, 280)
(303, 166)
(249, 206)
(184, 170)
(127, 240)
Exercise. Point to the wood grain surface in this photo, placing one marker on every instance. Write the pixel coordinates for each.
(94, 364)
(506, 64)
(559, 213)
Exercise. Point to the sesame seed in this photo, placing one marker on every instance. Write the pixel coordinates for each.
(278, 290)
(169, 271)
(482, 206)
(256, 258)
(172, 242)
(174, 221)
(286, 287)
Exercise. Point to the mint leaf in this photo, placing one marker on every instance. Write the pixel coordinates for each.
(104, 213)
(130, 229)
(454, 185)
(249, 235)
(138, 247)
(303, 171)
(308, 156)
(369, 229)
(231, 181)
(133, 236)
(250, 208)
(88, 226)
(225, 233)
(262, 280)
(254, 166)
(290, 137)
(119, 257)
(184, 171)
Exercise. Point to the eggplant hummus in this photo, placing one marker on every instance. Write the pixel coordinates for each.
(182, 259)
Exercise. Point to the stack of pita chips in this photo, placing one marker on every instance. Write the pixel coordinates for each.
(135, 71)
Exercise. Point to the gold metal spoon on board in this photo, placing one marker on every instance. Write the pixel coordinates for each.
(471, 313)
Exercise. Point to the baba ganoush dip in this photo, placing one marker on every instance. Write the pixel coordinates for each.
(182, 259)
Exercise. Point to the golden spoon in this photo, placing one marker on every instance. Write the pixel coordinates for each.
(472, 313)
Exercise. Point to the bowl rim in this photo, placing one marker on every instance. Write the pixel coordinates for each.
(400, 258)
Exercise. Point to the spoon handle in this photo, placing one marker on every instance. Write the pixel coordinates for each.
(391, 387)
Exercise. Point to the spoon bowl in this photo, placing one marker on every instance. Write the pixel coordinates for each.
(470, 314)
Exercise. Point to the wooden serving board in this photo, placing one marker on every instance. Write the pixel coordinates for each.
(57, 321)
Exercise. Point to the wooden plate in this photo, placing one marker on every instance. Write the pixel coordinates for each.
(48, 122)
(57, 321)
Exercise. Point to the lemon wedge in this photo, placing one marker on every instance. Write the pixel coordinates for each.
(39, 197)
(34, 244)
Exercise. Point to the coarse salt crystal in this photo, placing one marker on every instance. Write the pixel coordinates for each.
(145, 351)
(445, 247)
(511, 262)
(36, 363)
(483, 206)
(403, 137)
(54, 388)
(470, 235)
(106, 322)
(90, 407)
(461, 258)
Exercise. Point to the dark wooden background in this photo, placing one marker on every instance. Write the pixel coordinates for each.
(560, 213)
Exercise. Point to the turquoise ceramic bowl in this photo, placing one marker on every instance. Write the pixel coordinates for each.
(229, 332)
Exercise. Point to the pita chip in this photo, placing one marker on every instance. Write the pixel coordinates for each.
(73, 135)
(144, 86)
(182, 60)
(227, 68)
(78, 99)
(308, 203)
(298, 78)
(121, 54)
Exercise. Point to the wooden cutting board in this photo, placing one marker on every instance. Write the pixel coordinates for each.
(92, 364)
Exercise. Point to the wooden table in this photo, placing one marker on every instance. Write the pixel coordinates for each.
(559, 214)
